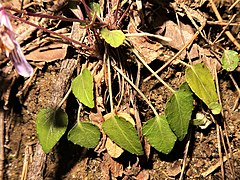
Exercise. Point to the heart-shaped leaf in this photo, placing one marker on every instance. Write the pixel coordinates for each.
(84, 134)
(51, 125)
(179, 111)
(115, 37)
(201, 82)
(123, 134)
(82, 87)
(159, 134)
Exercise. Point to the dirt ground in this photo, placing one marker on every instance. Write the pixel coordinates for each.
(21, 98)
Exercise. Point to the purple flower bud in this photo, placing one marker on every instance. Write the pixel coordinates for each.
(11, 47)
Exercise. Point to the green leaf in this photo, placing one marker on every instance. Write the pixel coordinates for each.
(201, 82)
(84, 134)
(51, 125)
(115, 37)
(82, 87)
(230, 60)
(159, 134)
(95, 7)
(123, 134)
(179, 111)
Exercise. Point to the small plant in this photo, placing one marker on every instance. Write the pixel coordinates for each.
(161, 131)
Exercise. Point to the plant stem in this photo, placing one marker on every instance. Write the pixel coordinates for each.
(64, 98)
(185, 64)
(136, 88)
(51, 32)
(109, 79)
(153, 72)
(78, 113)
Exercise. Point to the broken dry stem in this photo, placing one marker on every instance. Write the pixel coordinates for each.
(234, 4)
(224, 29)
(148, 34)
(109, 78)
(226, 127)
(228, 33)
(214, 167)
(219, 147)
(136, 88)
(220, 23)
(178, 53)
(150, 69)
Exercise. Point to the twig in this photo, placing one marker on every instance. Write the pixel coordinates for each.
(236, 86)
(220, 150)
(68, 66)
(150, 69)
(178, 53)
(228, 33)
(234, 4)
(136, 88)
(214, 167)
(135, 107)
(220, 23)
(185, 158)
(224, 121)
(148, 34)
(27, 155)
(109, 78)
(231, 166)
(224, 29)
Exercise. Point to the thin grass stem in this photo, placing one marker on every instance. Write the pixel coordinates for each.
(136, 88)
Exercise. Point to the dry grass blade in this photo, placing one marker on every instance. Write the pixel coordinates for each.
(178, 53)
(234, 4)
(238, 89)
(228, 33)
(27, 158)
(214, 167)
(219, 128)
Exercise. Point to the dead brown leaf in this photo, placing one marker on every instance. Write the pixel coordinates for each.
(48, 53)
(175, 169)
(180, 35)
(113, 150)
(149, 50)
(110, 166)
